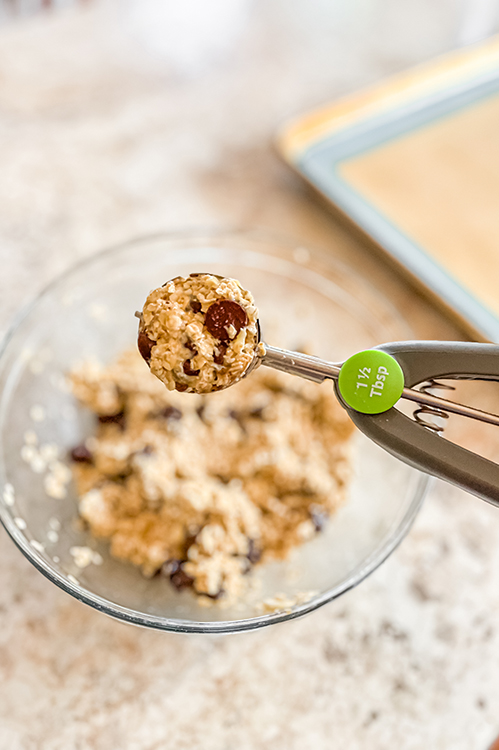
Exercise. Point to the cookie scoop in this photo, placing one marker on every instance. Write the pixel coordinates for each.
(199, 333)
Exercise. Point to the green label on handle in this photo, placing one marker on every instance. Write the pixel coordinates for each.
(371, 382)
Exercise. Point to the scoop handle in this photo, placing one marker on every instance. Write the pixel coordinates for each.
(415, 444)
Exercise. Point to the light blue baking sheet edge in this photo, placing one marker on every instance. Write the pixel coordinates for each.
(320, 164)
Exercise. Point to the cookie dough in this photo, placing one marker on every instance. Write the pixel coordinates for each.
(199, 333)
(202, 488)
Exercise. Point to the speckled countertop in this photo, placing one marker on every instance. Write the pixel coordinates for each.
(125, 118)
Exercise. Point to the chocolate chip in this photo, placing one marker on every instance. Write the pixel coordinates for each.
(318, 516)
(222, 314)
(118, 419)
(247, 567)
(213, 596)
(220, 352)
(145, 345)
(181, 387)
(195, 305)
(257, 413)
(190, 539)
(121, 478)
(177, 575)
(188, 369)
(253, 554)
(171, 412)
(82, 455)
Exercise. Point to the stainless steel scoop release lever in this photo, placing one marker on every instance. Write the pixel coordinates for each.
(370, 384)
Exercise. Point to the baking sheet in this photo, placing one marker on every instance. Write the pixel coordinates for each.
(414, 163)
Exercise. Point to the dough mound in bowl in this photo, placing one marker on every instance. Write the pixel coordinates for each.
(201, 488)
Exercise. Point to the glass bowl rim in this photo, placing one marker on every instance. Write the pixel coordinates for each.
(158, 622)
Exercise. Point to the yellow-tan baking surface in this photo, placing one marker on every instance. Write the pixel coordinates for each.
(440, 185)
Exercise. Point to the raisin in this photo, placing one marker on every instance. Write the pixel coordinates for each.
(171, 412)
(145, 345)
(222, 314)
(195, 305)
(181, 387)
(82, 455)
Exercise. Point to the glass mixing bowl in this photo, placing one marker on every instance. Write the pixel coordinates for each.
(304, 298)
